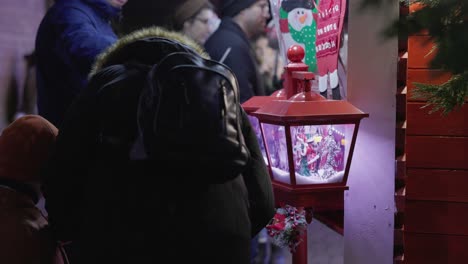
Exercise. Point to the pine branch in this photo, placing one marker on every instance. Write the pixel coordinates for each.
(446, 22)
(446, 97)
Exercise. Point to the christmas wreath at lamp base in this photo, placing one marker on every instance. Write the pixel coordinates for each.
(287, 227)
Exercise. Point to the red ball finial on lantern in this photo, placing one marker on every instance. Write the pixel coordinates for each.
(296, 53)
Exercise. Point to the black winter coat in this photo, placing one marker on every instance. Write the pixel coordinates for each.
(241, 57)
(118, 211)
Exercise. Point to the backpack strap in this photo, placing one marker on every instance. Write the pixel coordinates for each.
(189, 116)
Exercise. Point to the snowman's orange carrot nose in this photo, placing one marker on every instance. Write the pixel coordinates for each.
(303, 18)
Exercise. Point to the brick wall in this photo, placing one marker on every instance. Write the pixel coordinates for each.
(19, 20)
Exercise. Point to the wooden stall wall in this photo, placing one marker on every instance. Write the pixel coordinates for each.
(436, 207)
(400, 134)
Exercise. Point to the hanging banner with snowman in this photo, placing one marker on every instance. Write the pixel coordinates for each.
(317, 26)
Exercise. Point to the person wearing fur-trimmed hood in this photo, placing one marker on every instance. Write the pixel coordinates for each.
(119, 214)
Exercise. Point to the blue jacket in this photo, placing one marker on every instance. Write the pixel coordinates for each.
(240, 59)
(70, 36)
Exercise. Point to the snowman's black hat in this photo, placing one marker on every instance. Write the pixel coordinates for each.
(289, 5)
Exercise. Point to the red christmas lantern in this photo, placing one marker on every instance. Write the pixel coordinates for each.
(307, 140)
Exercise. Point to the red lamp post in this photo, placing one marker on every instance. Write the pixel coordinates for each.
(308, 143)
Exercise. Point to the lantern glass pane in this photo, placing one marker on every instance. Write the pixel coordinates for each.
(256, 126)
(320, 152)
(275, 138)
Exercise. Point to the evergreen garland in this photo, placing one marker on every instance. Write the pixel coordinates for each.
(445, 97)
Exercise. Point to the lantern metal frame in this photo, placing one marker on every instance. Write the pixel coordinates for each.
(288, 113)
(299, 106)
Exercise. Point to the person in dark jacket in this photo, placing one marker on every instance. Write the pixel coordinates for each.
(241, 21)
(70, 36)
(120, 210)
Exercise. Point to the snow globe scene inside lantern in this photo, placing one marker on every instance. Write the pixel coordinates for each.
(308, 140)
(319, 152)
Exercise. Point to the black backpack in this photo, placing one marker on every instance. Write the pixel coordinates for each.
(135, 120)
(189, 118)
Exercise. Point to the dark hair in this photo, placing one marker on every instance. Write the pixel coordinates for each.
(230, 8)
(188, 11)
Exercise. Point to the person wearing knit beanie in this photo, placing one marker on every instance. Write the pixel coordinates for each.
(241, 21)
(196, 19)
(230, 8)
(25, 146)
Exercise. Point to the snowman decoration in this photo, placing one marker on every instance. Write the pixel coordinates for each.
(329, 29)
(298, 26)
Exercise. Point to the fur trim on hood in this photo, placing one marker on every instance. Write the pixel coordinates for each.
(126, 48)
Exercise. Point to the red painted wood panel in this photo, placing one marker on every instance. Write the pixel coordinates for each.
(436, 217)
(436, 204)
(415, 7)
(419, 52)
(400, 169)
(441, 185)
(420, 122)
(400, 139)
(400, 199)
(398, 237)
(437, 152)
(399, 259)
(402, 65)
(435, 249)
(424, 76)
(401, 103)
(402, 44)
(403, 41)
